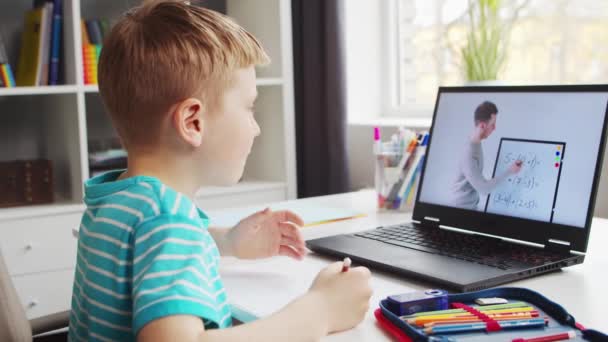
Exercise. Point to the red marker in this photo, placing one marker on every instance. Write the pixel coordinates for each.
(568, 335)
(346, 264)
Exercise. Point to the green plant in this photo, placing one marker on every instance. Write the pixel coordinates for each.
(485, 51)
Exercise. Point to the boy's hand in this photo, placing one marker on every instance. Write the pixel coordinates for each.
(346, 295)
(266, 234)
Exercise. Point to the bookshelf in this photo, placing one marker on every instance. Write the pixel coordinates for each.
(62, 122)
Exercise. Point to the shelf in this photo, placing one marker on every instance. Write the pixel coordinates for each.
(40, 90)
(29, 211)
(90, 88)
(242, 187)
(267, 81)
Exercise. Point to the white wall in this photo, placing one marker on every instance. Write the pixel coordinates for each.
(601, 204)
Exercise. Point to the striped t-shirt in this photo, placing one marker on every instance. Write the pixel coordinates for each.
(144, 253)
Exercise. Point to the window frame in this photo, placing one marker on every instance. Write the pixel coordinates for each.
(391, 109)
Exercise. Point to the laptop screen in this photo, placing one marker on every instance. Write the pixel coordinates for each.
(530, 155)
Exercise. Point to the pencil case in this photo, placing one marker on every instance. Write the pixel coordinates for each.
(559, 320)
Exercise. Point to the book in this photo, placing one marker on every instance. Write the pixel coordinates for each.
(3, 78)
(264, 276)
(7, 80)
(45, 47)
(28, 73)
(90, 57)
(94, 30)
(84, 34)
(105, 27)
(57, 33)
(9, 73)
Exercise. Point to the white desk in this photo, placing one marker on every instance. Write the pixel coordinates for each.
(581, 289)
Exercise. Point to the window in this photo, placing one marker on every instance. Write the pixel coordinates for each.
(550, 42)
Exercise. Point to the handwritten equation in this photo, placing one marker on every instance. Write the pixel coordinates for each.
(509, 201)
(528, 183)
(530, 160)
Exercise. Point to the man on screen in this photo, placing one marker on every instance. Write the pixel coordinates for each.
(470, 183)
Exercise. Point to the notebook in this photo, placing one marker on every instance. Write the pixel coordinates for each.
(277, 281)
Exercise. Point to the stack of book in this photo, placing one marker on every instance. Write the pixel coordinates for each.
(40, 55)
(93, 33)
(7, 80)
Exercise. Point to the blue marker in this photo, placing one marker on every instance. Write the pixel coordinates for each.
(505, 325)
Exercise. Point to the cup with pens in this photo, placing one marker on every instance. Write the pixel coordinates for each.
(398, 163)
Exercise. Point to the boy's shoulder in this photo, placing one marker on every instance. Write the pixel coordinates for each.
(145, 197)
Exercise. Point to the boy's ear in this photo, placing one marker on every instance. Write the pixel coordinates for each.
(188, 121)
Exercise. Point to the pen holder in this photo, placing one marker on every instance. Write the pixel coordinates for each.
(391, 189)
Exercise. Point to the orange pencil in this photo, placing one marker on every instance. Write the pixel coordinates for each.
(465, 316)
(426, 319)
(474, 320)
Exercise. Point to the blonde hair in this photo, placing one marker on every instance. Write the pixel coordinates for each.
(164, 52)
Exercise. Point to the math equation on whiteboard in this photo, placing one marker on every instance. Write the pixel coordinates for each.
(529, 160)
(510, 201)
(530, 191)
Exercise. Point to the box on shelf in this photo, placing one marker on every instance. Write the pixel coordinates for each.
(24, 182)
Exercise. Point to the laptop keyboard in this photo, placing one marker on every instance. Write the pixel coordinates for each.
(472, 248)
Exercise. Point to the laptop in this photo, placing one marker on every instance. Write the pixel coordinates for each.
(503, 196)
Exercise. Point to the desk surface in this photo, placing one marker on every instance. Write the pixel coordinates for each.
(580, 289)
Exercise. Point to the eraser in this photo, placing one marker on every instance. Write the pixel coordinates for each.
(491, 301)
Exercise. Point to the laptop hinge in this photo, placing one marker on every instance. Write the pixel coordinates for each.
(558, 246)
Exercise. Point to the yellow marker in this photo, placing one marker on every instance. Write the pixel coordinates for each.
(464, 314)
(468, 319)
(463, 311)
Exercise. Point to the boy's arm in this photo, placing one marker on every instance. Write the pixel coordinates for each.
(219, 235)
(302, 320)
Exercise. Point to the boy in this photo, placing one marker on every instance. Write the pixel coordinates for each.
(179, 84)
(470, 183)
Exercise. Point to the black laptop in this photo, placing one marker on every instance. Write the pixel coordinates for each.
(503, 196)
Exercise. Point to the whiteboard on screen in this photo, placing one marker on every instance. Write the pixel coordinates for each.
(530, 193)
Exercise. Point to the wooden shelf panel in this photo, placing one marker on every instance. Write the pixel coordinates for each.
(40, 90)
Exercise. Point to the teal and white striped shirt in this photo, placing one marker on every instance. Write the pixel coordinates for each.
(144, 253)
